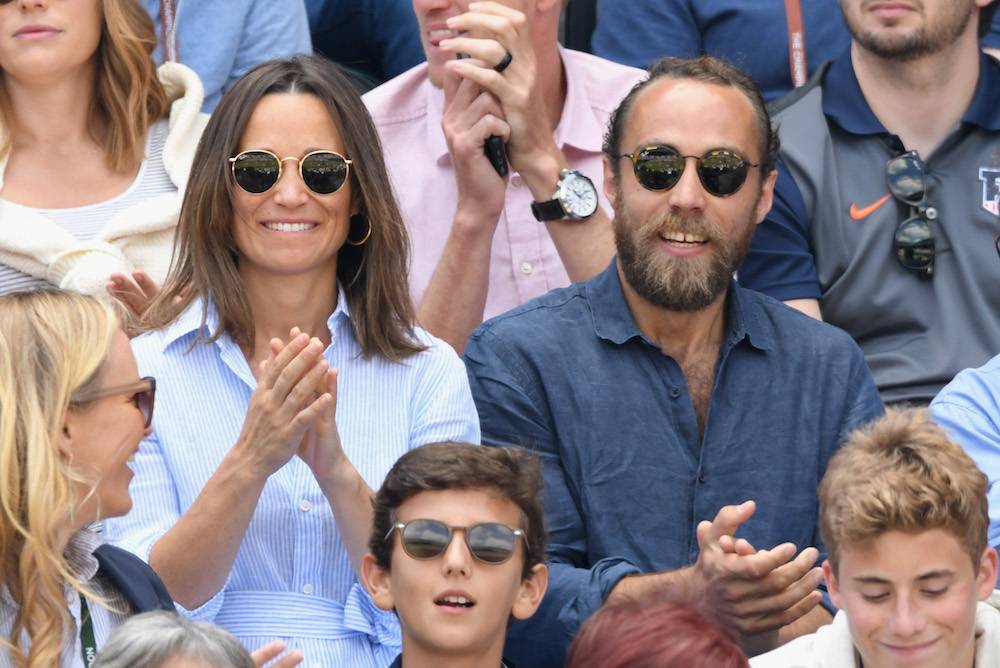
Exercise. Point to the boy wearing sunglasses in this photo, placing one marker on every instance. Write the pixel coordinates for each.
(903, 512)
(457, 550)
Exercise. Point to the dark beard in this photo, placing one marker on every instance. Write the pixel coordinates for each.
(926, 41)
(676, 283)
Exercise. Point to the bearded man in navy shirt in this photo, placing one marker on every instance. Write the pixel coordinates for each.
(662, 396)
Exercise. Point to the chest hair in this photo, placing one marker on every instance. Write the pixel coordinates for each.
(700, 376)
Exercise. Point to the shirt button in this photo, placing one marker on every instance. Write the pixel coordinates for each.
(305, 506)
(516, 181)
(307, 588)
(527, 268)
(701, 477)
(675, 392)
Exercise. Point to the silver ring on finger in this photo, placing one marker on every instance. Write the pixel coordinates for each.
(504, 62)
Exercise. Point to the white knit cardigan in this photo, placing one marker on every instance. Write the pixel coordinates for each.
(139, 237)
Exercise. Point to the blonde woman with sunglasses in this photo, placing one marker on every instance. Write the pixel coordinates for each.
(89, 161)
(73, 410)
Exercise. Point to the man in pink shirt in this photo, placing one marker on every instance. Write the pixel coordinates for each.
(478, 249)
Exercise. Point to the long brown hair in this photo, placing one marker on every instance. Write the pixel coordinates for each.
(206, 263)
(128, 97)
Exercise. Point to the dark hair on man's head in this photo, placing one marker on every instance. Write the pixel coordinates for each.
(512, 473)
(986, 15)
(653, 632)
(705, 69)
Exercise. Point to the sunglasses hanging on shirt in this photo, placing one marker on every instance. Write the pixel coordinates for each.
(913, 242)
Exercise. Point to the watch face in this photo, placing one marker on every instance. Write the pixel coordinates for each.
(578, 196)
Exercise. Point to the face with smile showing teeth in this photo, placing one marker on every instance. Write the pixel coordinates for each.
(678, 248)
(454, 606)
(290, 230)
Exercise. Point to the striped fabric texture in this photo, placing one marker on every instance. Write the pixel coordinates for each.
(80, 556)
(292, 578)
(86, 222)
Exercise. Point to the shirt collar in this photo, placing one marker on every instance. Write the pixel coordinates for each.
(80, 558)
(578, 126)
(613, 319)
(80, 554)
(849, 109)
(190, 321)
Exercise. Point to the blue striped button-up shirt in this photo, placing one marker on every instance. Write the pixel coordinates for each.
(292, 578)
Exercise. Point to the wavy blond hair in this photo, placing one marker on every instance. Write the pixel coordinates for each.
(902, 473)
(128, 97)
(53, 345)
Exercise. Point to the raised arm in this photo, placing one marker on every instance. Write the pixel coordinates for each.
(195, 556)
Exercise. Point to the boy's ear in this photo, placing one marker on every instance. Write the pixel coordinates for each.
(530, 594)
(986, 577)
(832, 586)
(376, 581)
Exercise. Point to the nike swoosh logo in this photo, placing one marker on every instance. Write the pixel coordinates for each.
(861, 214)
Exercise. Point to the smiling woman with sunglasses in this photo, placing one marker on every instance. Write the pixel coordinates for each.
(72, 412)
(293, 372)
(89, 161)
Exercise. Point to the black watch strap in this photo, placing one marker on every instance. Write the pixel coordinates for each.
(551, 210)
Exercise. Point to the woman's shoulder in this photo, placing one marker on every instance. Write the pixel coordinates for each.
(436, 351)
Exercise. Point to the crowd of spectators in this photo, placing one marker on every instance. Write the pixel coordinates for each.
(470, 349)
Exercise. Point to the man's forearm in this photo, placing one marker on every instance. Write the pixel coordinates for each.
(585, 246)
(680, 586)
(455, 298)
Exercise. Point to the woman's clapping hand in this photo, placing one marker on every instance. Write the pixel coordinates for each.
(289, 400)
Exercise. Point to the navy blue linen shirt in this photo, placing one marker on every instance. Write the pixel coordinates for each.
(570, 377)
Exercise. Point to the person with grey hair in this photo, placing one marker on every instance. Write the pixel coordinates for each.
(167, 640)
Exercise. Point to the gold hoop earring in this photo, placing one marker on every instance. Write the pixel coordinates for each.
(358, 219)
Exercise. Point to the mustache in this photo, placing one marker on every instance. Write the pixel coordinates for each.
(670, 223)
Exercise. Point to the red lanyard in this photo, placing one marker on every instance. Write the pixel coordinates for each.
(797, 63)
